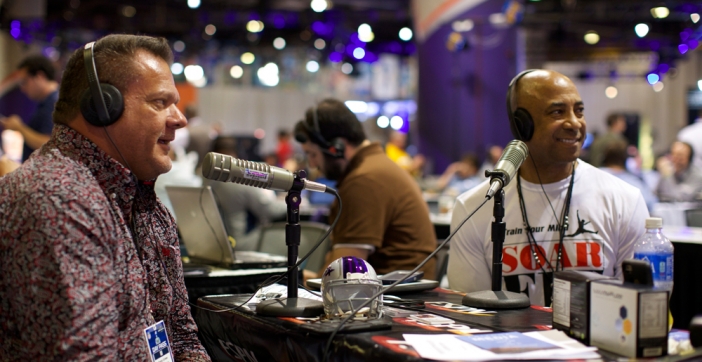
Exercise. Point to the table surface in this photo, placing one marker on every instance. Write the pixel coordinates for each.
(232, 335)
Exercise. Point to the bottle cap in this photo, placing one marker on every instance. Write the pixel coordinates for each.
(654, 223)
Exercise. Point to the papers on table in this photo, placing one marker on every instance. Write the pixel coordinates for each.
(450, 347)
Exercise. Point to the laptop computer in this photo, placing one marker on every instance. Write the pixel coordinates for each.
(203, 233)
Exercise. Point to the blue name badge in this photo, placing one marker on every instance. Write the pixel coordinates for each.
(157, 342)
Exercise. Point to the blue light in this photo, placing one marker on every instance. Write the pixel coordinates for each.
(336, 57)
(653, 78)
(682, 48)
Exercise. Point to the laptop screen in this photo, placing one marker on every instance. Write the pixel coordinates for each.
(200, 224)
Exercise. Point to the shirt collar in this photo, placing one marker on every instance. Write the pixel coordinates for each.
(117, 181)
(361, 154)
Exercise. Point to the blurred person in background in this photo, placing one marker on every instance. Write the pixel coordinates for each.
(200, 135)
(616, 125)
(35, 77)
(692, 134)
(460, 176)
(395, 149)
(685, 182)
(493, 155)
(284, 149)
(614, 162)
(384, 218)
(237, 201)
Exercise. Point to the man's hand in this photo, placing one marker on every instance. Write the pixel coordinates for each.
(13, 122)
(32, 138)
(7, 165)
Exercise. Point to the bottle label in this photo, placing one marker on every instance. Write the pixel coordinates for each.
(662, 265)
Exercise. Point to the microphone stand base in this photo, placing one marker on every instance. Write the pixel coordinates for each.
(488, 299)
(290, 307)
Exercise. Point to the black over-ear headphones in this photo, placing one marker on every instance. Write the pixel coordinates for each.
(101, 104)
(335, 148)
(520, 122)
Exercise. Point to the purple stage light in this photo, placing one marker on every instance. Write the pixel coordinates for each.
(336, 57)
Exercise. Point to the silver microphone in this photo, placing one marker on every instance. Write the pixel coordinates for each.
(225, 168)
(512, 158)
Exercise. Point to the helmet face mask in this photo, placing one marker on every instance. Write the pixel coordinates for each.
(347, 283)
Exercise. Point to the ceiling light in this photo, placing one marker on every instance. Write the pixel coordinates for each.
(176, 68)
(319, 5)
(178, 46)
(497, 19)
(320, 44)
(312, 66)
(405, 34)
(359, 53)
(591, 37)
(210, 29)
(194, 72)
(279, 43)
(268, 75)
(611, 92)
(199, 83)
(396, 122)
(383, 122)
(641, 30)
(695, 17)
(254, 26)
(660, 12)
(128, 11)
(367, 37)
(652, 78)
(236, 72)
(193, 4)
(358, 107)
(365, 33)
(248, 58)
(460, 26)
(347, 68)
(658, 87)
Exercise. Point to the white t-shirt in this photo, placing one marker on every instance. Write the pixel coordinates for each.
(606, 218)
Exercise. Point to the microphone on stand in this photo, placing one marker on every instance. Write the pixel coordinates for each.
(506, 168)
(224, 168)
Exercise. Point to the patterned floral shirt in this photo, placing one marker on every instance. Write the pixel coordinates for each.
(89, 257)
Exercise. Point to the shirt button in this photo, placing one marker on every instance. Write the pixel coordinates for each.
(114, 196)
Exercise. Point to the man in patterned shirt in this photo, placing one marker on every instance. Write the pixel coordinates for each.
(89, 255)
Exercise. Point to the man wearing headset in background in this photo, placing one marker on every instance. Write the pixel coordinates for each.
(35, 77)
(90, 256)
(384, 219)
(560, 212)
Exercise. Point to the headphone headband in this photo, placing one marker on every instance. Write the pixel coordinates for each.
(94, 83)
(512, 85)
(314, 134)
(520, 122)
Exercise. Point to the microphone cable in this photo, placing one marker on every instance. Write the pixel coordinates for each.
(384, 290)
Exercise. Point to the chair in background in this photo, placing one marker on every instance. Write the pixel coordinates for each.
(693, 217)
(272, 241)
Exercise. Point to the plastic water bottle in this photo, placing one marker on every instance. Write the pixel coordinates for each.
(655, 248)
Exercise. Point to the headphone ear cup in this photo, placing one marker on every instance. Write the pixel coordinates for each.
(338, 147)
(114, 103)
(524, 124)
